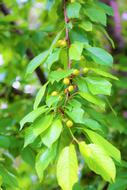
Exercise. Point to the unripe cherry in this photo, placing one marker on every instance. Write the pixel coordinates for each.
(70, 88)
(69, 123)
(72, 1)
(54, 93)
(76, 72)
(66, 81)
(62, 43)
(85, 70)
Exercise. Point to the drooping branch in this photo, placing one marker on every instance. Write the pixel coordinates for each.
(29, 52)
(66, 22)
(67, 32)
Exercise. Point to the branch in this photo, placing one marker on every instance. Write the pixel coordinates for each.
(4, 9)
(29, 52)
(11, 91)
(67, 32)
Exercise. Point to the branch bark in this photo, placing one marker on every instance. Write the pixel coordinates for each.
(10, 90)
(67, 32)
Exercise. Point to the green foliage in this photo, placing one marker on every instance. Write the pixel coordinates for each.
(109, 148)
(97, 85)
(40, 125)
(43, 159)
(7, 177)
(73, 10)
(64, 106)
(38, 147)
(98, 161)
(53, 133)
(36, 62)
(100, 56)
(67, 168)
(39, 96)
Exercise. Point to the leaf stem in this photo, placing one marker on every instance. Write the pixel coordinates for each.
(73, 136)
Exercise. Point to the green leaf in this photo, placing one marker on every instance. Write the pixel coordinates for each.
(100, 56)
(39, 126)
(98, 161)
(53, 133)
(4, 141)
(104, 74)
(73, 10)
(75, 51)
(108, 37)
(64, 58)
(52, 101)
(96, 15)
(60, 74)
(93, 99)
(120, 184)
(8, 178)
(67, 168)
(78, 35)
(53, 57)
(30, 117)
(76, 114)
(92, 124)
(75, 103)
(109, 104)
(36, 61)
(40, 95)
(108, 9)
(43, 159)
(104, 144)
(55, 40)
(98, 85)
(28, 155)
(87, 26)
(81, 83)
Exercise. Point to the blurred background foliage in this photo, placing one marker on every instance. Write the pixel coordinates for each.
(27, 28)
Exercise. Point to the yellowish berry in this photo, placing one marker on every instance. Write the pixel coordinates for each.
(85, 70)
(72, 1)
(69, 123)
(76, 72)
(66, 81)
(54, 93)
(62, 43)
(70, 88)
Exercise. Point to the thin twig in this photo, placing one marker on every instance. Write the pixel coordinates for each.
(73, 136)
